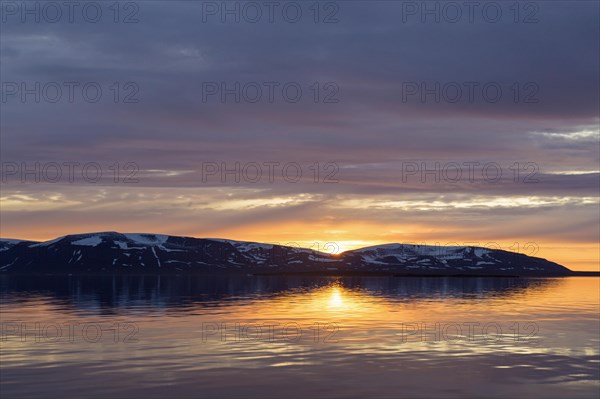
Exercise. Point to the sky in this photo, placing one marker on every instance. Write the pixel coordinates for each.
(330, 125)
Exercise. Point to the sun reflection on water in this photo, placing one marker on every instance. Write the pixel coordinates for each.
(335, 299)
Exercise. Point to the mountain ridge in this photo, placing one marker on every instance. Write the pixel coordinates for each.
(114, 252)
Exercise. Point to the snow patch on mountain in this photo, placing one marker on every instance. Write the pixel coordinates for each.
(122, 244)
(91, 241)
(10, 241)
(7, 243)
(147, 239)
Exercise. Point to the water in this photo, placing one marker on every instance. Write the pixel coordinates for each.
(296, 337)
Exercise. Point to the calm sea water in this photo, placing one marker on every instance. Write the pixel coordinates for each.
(295, 337)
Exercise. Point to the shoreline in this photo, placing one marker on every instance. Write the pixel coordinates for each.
(300, 274)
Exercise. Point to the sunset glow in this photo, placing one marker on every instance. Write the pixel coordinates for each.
(299, 199)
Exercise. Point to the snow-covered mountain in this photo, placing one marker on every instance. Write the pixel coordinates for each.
(154, 253)
(111, 251)
(457, 259)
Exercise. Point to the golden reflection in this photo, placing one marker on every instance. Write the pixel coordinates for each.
(369, 315)
(335, 299)
(333, 302)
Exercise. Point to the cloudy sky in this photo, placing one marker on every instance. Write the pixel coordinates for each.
(344, 122)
